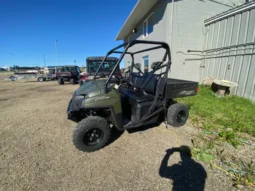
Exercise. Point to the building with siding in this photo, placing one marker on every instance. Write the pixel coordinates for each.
(229, 49)
(195, 30)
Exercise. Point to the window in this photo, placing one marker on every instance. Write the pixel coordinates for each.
(148, 26)
(146, 64)
(78, 70)
(93, 65)
(65, 69)
(51, 70)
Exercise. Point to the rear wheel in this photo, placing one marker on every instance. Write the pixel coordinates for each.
(72, 81)
(61, 81)
(177, 115)
(91, 134)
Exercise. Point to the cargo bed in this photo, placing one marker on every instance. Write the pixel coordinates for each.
(180, 88)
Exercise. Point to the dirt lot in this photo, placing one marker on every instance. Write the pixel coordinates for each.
(36, 150)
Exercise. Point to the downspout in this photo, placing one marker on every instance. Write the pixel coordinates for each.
(172, 21)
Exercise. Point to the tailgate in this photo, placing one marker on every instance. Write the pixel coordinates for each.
(180, 88)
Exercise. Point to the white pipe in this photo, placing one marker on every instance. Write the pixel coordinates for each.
(172, 21)
(207, 22)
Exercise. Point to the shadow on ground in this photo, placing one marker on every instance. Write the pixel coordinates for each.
(187, 174)
(143, 128)
(115, 134)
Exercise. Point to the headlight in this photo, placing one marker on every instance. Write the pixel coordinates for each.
(77, 102)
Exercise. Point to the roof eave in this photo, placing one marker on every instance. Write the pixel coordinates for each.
(139, 11)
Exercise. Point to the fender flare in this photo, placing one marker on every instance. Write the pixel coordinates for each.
(115, 118)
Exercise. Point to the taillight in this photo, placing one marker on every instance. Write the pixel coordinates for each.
(83, 77)
(197, 90)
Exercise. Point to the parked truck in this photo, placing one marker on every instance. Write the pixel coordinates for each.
(68, 73)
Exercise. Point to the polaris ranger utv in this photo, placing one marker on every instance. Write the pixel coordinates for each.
(139, 100)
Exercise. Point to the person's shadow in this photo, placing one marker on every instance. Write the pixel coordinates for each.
(187, 174)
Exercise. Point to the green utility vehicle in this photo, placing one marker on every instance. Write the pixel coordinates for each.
(139, 100)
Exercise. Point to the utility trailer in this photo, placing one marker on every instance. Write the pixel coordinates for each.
(49, 74)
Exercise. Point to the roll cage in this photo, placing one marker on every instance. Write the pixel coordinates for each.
(129, 45)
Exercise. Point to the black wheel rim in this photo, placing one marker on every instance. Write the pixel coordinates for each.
(93, 136)
(181, 116)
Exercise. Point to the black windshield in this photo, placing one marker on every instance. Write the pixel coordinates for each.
(107, 67)
(69, 69)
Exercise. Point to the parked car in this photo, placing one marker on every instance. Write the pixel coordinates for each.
(132, 102)
(68, 73)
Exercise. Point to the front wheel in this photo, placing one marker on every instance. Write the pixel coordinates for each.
(40, 79)
(61, 81)
(177, 115)
(72, 81)
(91, 134)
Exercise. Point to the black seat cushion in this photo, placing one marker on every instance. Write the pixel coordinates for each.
(145, 94)
(137, 96)
(138, 80)
(150, 87)
(161, 86)
(130, 77)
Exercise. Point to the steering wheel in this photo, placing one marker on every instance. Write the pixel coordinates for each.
(121, 81)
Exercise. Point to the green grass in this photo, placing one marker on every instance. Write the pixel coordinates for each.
(217, 114)
(221, 118)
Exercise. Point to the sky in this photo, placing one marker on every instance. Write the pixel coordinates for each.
(29, 28)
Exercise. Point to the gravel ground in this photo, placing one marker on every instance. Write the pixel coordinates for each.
(36, 150)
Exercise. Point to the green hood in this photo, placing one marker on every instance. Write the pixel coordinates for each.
(91, 88)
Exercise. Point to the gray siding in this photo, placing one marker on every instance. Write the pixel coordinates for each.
(188, 33)
(158, 34)
(236, 63)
